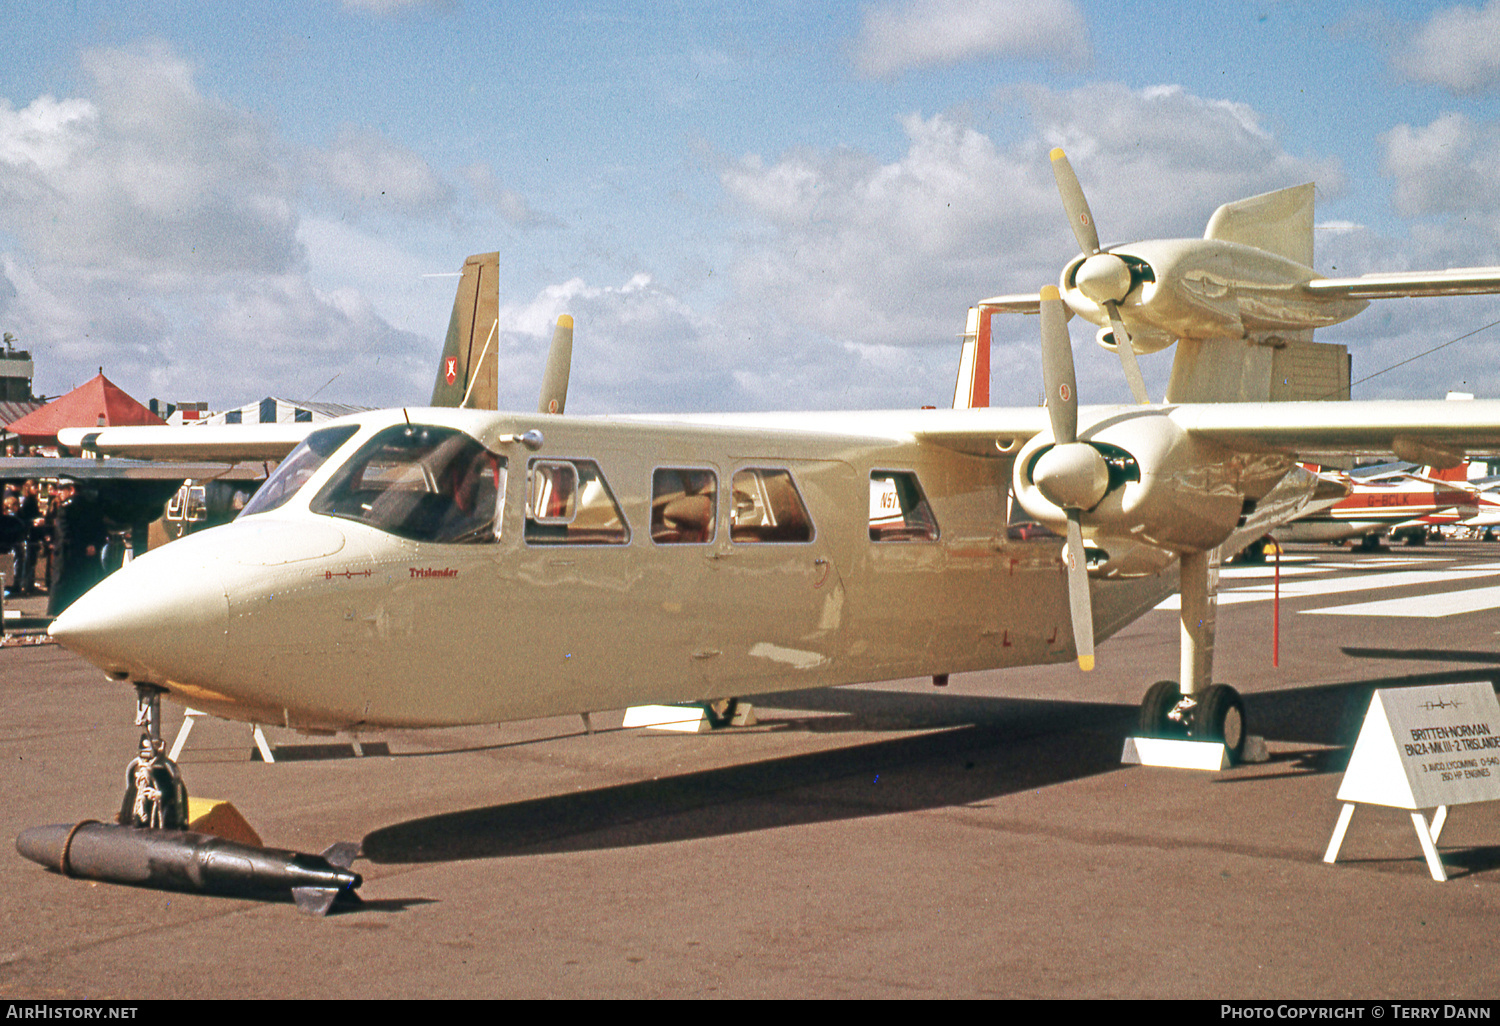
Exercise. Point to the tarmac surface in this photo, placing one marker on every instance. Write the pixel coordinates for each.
(893, 840)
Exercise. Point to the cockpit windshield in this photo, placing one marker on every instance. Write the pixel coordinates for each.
(420, 482)
(302, 463)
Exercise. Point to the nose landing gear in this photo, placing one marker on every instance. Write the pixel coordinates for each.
(155, 795)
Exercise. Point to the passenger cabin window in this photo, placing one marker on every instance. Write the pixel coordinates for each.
(898, 509)
(768, 508)
(684, 506)
(301, 463)
(428, 484)
(569, 503)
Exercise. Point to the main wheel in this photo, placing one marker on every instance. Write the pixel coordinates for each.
(1220, 716)
(1161, 698)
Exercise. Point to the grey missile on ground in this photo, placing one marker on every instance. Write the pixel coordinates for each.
(182, 860)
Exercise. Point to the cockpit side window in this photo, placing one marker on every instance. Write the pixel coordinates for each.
(302, 463)
(428, 484)
(569, 503)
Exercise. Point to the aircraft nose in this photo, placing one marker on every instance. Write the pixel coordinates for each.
(153, 620)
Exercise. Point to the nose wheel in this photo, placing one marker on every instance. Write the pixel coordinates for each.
(155, 796)
(1214, 714)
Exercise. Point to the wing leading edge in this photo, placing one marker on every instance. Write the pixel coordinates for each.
(227, 443)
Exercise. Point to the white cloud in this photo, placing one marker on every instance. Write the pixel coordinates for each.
(147, 177)
(1450, 166)
(392, 7)
(155, 231)
(891, 254)
(909, 34)
(512, 207)
(365, 167)
(1458, 49)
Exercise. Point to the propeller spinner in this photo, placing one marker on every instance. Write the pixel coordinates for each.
(1104, 278)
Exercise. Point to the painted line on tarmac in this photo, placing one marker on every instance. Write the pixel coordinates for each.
(1451, 603)
(1338, 586)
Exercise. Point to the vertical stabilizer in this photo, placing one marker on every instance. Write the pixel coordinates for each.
(973, 388)
(559, 365)
(1278, 222)
(468, 373)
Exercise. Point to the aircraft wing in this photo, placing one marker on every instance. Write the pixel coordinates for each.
(1464, 281)
(1354, 428)
(22, 468)
(227, 443)
(1367, 428)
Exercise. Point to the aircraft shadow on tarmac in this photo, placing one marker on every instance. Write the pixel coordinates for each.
(979, 749)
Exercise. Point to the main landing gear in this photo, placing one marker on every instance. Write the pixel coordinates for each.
(1213, 714)
(1196, 710)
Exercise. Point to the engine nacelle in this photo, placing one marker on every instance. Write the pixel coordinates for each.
(1114, 559)
(1143, 342)
(1166, 489)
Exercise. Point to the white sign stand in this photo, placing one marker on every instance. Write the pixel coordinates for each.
(1423, 748)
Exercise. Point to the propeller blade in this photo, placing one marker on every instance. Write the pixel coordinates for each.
(554, 394)
(1075, 203)
(1080, 604)
(1127, 355)
(1057, 368)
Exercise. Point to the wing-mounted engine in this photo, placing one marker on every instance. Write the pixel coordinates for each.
(1135, 480)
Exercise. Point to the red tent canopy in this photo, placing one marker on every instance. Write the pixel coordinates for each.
(83, 407)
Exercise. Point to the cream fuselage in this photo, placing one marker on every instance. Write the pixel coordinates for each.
(305, 619)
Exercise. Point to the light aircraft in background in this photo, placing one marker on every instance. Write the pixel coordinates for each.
(1401, 501)
(435, 567)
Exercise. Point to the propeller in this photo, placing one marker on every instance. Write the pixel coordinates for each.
(1104, 278)
(1072, 474)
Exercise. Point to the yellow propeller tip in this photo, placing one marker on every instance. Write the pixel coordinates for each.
(1086, 663)
(1049, 293)
(1057, 154)
(565, 321)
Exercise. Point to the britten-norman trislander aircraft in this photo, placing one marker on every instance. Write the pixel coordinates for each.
(433, 567)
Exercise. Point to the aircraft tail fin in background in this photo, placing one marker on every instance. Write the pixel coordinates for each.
(973, 388)
(559, 366)
(468, 373)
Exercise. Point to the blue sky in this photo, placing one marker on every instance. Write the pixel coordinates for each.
(778, 205)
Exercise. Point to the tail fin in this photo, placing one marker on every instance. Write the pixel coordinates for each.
(973, 388)
(1263, 366)
(468, 374)
(559, 366)
(1278, 222)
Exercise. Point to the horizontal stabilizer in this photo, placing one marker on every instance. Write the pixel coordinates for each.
(1462, 281)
